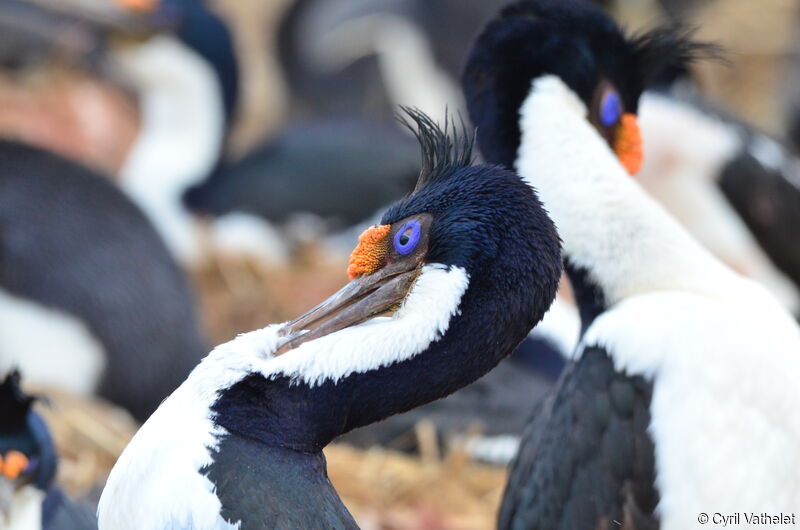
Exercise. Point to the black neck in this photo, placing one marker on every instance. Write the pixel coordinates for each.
(294, 415)
(588, 295)
(269, 487)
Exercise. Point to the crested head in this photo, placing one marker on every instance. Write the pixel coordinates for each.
(581, 45)
(479, 211)
(465, 232)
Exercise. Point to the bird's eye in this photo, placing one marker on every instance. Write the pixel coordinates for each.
(406, 239)
(610, 108)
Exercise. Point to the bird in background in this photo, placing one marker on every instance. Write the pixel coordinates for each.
(449, 282)
(681, 394)
(29, 498)
(170, 81)
(736, 189)
(91, 301)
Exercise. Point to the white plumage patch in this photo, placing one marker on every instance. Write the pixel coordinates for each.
(49, 347)
(405, 58)
(723, 355)
(560, 326)
(26, 510)
(156, 483)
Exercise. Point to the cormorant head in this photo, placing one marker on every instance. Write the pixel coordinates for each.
(587, 52)
(481, 220)
(27, 453)
(447, 285)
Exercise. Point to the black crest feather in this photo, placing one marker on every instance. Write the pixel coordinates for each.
(670, 46)
(14, 403)
(443, 148)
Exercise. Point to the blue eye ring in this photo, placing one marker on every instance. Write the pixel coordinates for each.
(610, 108)
(404, 241)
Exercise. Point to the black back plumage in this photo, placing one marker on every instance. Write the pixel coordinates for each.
(769, 204)
(604, 477)
(70, 241)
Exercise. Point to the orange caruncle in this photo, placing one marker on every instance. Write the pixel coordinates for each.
(628, 144)
(14, 464)
(370, 251)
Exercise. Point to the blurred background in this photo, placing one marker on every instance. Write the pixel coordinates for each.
(176, 172)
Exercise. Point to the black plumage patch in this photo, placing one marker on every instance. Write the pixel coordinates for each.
(604, 477)
(442, 153)
(16, 403)
(768, 204)
(271, 487)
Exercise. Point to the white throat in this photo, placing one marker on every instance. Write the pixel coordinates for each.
(609, 226)
(182, 133)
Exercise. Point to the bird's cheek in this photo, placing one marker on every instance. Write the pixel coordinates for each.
(628, 144)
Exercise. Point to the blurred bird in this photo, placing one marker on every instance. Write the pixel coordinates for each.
(310, 167)
(29, 499)
(176, 56)
(188, 83)
(365, 57)
(442, 290)
(90, 299)
(682, 393)
(733, 187)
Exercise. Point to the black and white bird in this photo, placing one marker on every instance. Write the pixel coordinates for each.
(187, 80)
(736, 189)
(90, 299)
(442, 290)
(366, 57)
(682, 396)
(309, 166)
(29, 499)
(176, 64)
